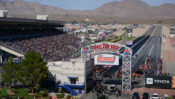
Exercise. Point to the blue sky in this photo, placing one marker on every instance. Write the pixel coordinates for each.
(91, 4)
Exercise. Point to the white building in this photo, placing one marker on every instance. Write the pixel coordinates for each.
(172, 35)
(42, 17)
(172, 32)
(129, 35)
(71, 75)
(3, 13)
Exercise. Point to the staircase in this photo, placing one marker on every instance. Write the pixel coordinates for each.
(71, 91)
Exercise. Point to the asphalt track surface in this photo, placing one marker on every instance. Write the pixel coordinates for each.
(147, 45)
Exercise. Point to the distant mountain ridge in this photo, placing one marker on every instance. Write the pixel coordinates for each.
(137, 8)
(130, 9)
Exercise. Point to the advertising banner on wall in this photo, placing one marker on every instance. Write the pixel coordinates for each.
(106, 59)
(173, 81)
(16, 60)
(158, 81)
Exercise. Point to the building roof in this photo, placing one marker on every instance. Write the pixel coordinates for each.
(23, 21)
(172, 32)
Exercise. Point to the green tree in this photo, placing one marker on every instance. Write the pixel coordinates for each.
(9, 73)
(32, 70)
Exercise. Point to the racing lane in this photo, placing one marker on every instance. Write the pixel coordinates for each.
(152, 47)
(138, 42)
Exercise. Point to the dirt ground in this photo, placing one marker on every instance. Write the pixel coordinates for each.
(140, 30)
(168, 46)
(118, 33)
(136, 32)
(168, 51)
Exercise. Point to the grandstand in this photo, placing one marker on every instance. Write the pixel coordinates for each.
(18, 36)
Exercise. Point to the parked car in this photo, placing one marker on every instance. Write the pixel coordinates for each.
(135, 95)
(165, 96)
(155, 96)
(145, 95)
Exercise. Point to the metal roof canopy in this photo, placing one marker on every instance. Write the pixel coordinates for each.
(23, 21)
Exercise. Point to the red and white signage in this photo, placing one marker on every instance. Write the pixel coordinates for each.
(105, 46)
(106, 59)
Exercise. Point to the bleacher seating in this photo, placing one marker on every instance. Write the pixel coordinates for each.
(51, 47)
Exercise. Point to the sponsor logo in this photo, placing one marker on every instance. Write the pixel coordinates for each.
(159, 81)
(162, 81)
(149, 81)
(107, 59)
(126, 52)
(85, 51)
(105, 46)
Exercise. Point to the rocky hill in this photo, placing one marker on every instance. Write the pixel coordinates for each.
(126, 10)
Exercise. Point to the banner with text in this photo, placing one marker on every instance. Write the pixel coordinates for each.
(106, 59)
(158, 81)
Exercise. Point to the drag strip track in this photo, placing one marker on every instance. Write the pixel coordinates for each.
(152, 47)
(156, 50)
(138, 42)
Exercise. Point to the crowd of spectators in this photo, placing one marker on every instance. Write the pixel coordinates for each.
(52, 48)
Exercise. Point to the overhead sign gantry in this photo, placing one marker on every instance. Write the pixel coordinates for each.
(113, 48)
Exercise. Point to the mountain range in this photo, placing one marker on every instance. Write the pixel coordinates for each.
(131, 11)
